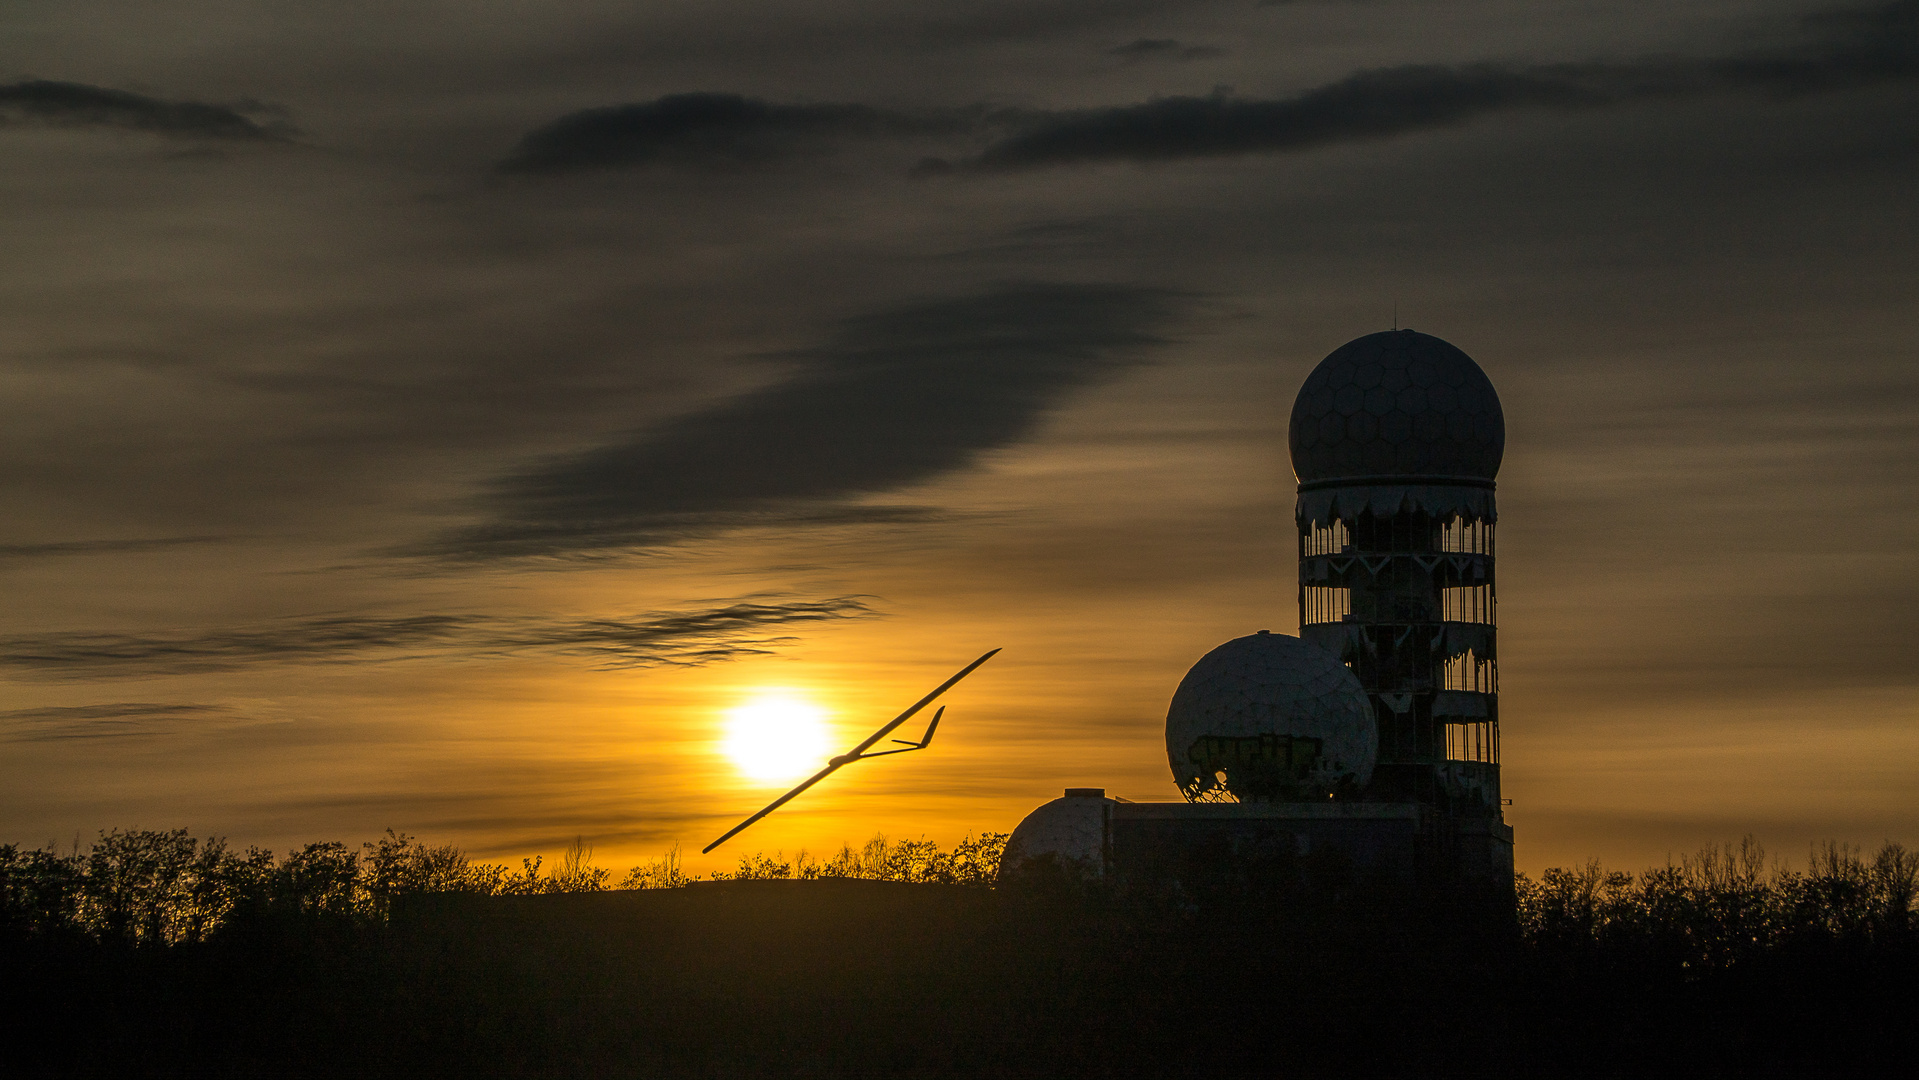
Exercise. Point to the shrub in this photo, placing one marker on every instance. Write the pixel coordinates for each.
(661, 873)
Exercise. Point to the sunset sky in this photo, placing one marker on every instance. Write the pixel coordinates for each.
(444, 416)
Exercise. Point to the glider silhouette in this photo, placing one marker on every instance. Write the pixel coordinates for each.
(859, 753)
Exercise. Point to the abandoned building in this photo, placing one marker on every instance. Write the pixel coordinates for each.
(1372, 738)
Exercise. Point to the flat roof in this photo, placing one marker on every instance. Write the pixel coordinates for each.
(1315, 811)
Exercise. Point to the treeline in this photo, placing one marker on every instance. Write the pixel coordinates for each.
(1708, 910)
(1724, 905)
(145, 887)
(152, 954)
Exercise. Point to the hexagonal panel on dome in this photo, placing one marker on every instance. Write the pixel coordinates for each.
(1375, 396)
(1270, 718)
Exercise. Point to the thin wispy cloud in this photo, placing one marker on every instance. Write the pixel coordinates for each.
(683, 638)
(49, 103)
(676, 638)
(891, 399)
(1141, 49)
(124, 719)
(58, 548)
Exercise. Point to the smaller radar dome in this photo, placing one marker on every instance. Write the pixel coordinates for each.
(1072, 830)
(1270, 718)
(1394, 406)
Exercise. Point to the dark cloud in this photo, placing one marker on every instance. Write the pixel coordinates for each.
(701, 129)
(895, 398)
(1836, 50)
(1163, 49)
(116, 720)
(1842, 49)
(681, 638)
(65, 104)
(1369, 104)
(100, 547)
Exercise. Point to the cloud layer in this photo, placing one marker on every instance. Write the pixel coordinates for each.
(1842, 49)
(108, 721)
(67, 104)
(1836, 50)
(892, 399)
(58, 548)
(679, 638)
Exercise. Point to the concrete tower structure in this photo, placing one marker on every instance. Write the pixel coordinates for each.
(1396, 438)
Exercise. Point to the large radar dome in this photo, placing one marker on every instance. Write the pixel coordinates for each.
(1396, 406)
(1270, 718)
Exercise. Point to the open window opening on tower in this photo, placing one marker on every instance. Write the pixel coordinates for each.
(1466, 536)
(1471, 673)
(1329, 539)
(1473, 742)
(1321, 604)
(1404, 532)
(1473, 604)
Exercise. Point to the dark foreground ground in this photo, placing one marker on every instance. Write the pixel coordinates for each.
(858, 978)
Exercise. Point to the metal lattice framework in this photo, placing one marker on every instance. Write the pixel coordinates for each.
(1211, 789)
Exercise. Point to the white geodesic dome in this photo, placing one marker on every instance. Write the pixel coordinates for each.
(1269, 717)
(1075, 830)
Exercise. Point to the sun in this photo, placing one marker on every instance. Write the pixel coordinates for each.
(776, 736)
